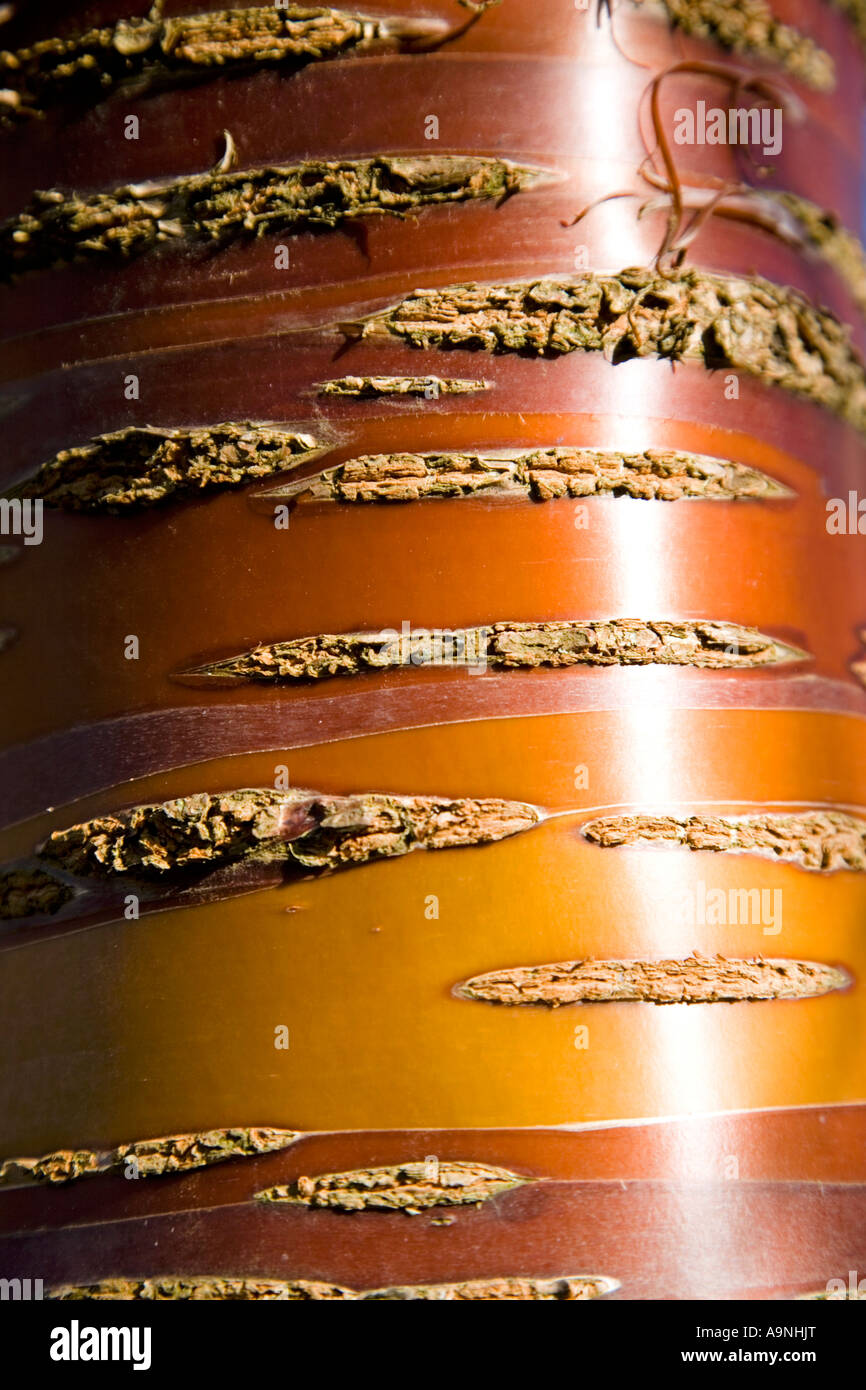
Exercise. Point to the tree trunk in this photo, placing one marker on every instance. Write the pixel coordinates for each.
(434, 759)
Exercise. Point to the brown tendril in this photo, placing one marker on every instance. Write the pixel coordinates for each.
(691, 200)
(430, 45)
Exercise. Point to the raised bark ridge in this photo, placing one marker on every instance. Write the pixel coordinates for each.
(824, 840)
(261, 825)
(569, 1288)
(771, 332)
(511, 646)
(824, 234)
(373, 386)
(514, 1289)
(88, 66)
(177, 1287)
(221, 207)
(28, 892)
(695, 980)
(407, 1187)
(139, 467)
(658, 474)
(750, 27)
(174, 1153)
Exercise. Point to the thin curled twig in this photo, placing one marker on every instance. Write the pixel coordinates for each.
(691, 200)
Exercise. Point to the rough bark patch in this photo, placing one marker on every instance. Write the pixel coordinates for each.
(88, 66)
(407, 1187)
(149, 1158)
(568, 1289)
(171, 1288)
(218, 208)
(510, 646)
(823, 233)
(824, 840)
(695, 980)
(175, 1287)
(371, 387)
(656, 474)
(771, 332)
(140, 467)
(314, 831)
(750, 27)
(27, 892)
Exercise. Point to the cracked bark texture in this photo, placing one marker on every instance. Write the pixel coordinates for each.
(820, 840)
(695, 980)
(656, 474)
(149, 1158)
(141, 52)
(217, 208)
(28, 892)
(771, 332)
(511, 1289)
(177, 1287)
(308, 829)
(407, 1187)
(824, 234)
(371, 387)
(510, 646)
(139, 467)
(750, 27)
(174, 1288)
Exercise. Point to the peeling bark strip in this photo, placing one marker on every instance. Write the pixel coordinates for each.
(823, 233)
(510, 646)
(369, 387)
(218, 208)
(826, 840)
(176, 1153)
(174, 1287)
(695, 980)
(750, 27)
(659, 474)
(772, 332)
(312, 830)
(408, 1187)
(87, 67)
(139, 467)
(28, 892)
(570, 1288)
